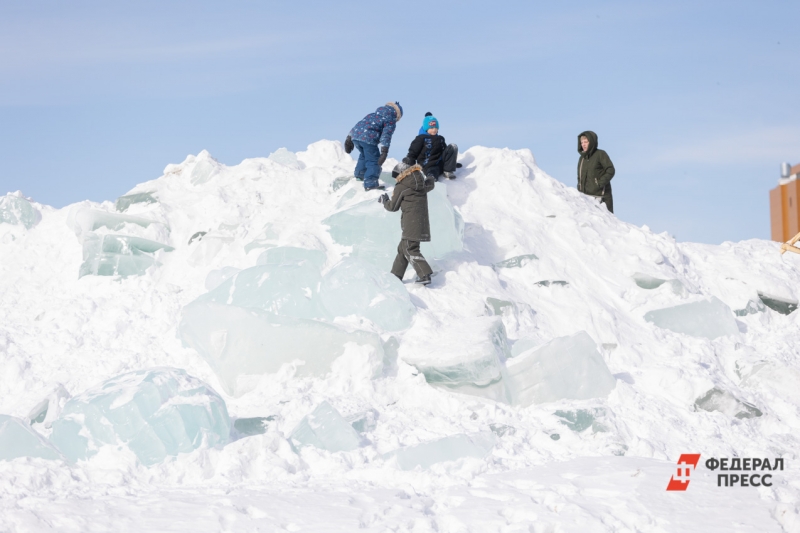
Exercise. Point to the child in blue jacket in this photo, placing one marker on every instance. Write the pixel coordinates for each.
(374, 129)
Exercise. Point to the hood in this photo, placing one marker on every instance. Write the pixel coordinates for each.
(412, 177)
(592, 136)
(398, 113)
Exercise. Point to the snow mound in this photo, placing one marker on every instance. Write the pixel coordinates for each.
(446, 407)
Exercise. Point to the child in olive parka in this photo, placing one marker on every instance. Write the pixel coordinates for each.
(410, 195)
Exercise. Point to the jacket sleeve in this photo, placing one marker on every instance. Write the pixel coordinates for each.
(416, 148)
(394, 202)
(608, 170)
(387, 132)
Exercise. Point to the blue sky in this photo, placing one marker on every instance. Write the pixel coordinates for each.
(695, 102)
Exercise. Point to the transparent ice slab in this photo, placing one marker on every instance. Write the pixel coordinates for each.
(450, 448)
(287, 158)
(157, 413)
(726, 403)
(118, 255)
(289, 255)
(238, 342)
(522, 345)
(783, 305)
(498, 307)
(204, 169)
(18, 211)
(246, 427)
(374, 233)
(355, 287)
(567, 368)
(582, 419)
(751, 308)
(465, 357)
(46, 411)
(287, 289)
(18, 439)
(645, 281)
(87, 220)
(364, 421)
(124, 202)
(340, 182)
(707, 318)
(326, 429)
(518, 261)
(215, 278)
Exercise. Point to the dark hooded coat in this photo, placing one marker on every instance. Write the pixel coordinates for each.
(595, 168)
(410, 195)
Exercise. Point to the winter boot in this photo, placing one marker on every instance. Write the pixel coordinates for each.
(450, 175)
(424, 280)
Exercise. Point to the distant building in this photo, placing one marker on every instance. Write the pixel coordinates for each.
(784, 211)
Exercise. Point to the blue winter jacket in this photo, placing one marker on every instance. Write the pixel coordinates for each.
(376, 128)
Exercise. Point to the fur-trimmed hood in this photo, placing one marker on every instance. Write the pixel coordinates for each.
(396, 109)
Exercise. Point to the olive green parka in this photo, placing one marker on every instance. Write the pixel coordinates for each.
(595, 168)
(411, 196)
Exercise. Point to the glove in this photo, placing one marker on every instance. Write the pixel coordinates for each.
(383, 156)
(408, 161)
(383, 198)
(348, 145)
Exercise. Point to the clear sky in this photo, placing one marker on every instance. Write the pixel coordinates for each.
(697, 103)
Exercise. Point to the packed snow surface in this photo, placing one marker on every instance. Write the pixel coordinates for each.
(223, 349)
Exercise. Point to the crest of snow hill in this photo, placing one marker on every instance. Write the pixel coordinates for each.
(541, 297)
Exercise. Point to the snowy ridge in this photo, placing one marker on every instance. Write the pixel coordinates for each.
(57, 328)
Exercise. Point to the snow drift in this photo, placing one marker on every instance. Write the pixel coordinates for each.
(550, 376)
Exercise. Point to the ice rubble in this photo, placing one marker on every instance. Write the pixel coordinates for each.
(124, 202)
(648, 282)
(706, 318)
(285, 289)
(46, 411)
(374, 232)
(566, 368)
(156, 413)
(237, 342)
(518, 261)
(449, 448)
(118, 255)
(326, 429)
(17, 439)
(354, 287)
(473, 366)
(582, 419)
(724, 402)
(16, 210)
(782, 305)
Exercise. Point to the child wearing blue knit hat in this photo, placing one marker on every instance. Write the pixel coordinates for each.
(431, 151)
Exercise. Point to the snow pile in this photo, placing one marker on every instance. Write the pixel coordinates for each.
(249, 342)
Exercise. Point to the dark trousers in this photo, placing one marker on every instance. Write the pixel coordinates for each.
(447, 163)
(609, 201)
(367, 167)
(408, 252)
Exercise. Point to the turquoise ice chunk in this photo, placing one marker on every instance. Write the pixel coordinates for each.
(18, 211)
(707, 318)
(374, 232)
(355, 287)
(326, 429)
(157, 413)
(93, 219)
(451, 448)
(724, 402)
(118, 255)
(236, 341)
(567, 368)
(288, 289)
(516, 261)
(124, 202)
(18, 439)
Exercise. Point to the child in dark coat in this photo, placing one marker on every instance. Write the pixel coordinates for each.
(372, 130)
(410, 195)
(431, 151)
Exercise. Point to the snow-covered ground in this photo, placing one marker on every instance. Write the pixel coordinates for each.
(540, 476)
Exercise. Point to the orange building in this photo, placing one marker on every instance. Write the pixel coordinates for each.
(784, 211)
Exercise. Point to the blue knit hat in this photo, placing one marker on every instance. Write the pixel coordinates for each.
(430, 122)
